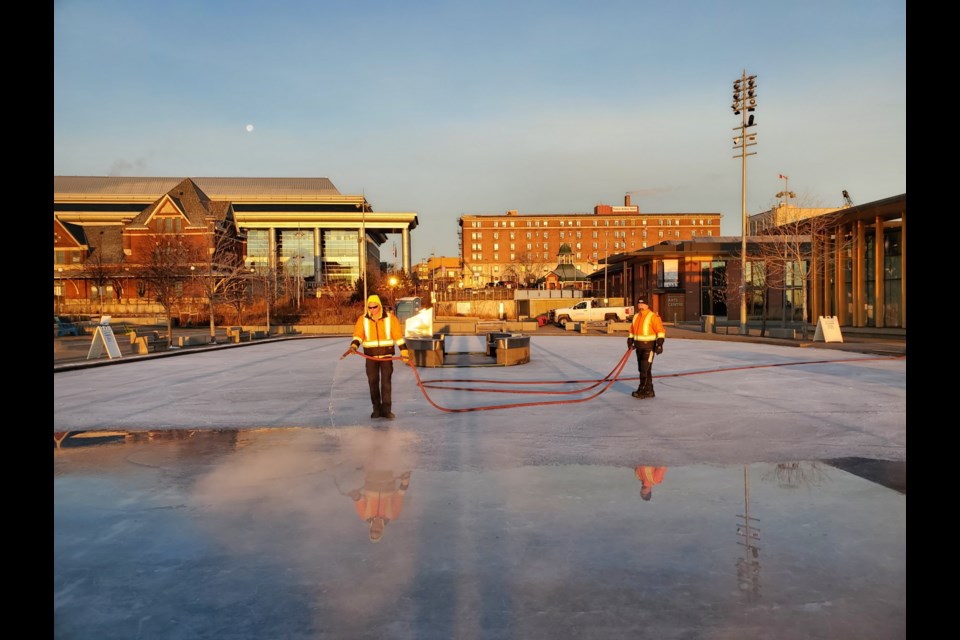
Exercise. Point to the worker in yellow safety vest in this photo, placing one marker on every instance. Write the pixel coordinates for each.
(379, 332)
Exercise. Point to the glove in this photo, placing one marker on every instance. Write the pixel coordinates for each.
(629, 343)
(405, 356)
(351, 350)
(659, 348)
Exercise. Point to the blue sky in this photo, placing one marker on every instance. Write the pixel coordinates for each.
(448, 108)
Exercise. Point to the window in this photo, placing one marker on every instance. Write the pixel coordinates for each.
(661, 233)
(668, 276)
(496, 246)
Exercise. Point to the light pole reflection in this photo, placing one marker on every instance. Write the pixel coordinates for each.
(748, 566)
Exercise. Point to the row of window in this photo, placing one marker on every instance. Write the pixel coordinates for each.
(477, 247)
(478, 235)
(477, 224)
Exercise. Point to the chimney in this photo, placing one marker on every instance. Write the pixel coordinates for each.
(626, 200)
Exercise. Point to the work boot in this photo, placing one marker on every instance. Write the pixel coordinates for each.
(648, 393)
(388, 416)
(376, 412)
(637, 394)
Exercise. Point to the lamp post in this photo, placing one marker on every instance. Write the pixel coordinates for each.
(786, 194)
(744, 104)
(60, 291)
(606, 255)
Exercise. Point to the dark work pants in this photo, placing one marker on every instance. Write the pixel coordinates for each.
(380, 378)
(645, 365)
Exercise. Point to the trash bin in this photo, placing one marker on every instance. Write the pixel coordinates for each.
(709, 324)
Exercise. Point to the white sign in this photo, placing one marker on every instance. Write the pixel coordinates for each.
(103, 339)
(828, 330)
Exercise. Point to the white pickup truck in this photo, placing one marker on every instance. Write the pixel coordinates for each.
(589, 310)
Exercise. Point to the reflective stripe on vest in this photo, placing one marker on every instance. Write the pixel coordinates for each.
(370, 326)
(645, 335)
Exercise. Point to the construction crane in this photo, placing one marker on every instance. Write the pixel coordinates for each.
(847, 200)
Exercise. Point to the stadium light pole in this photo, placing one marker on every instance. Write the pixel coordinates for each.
(744, 105)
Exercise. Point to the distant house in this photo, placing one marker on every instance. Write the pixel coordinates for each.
(566, 275)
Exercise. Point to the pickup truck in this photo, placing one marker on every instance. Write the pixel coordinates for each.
(589, 310)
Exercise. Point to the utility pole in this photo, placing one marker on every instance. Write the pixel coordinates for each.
(744, 103)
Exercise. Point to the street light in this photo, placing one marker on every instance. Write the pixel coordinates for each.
(606, 256)
(744, 104)
(786, 194)
(60, 291)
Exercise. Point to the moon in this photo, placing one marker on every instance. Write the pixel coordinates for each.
(249, 128)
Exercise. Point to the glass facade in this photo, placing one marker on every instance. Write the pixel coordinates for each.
(258, 248)
(340, 249)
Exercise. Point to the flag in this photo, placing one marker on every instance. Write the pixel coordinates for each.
(394, 249)
(783, 177)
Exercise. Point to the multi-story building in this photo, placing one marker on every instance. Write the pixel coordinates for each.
(523, 248)
(439, 273)
(302, 229)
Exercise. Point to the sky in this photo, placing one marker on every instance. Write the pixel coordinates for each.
(452, 108)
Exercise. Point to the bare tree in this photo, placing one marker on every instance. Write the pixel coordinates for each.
(788, 245)
(103, 263)
(218, 270)
(261, 282)
(165, 270)
(764, 271)
(529, 268)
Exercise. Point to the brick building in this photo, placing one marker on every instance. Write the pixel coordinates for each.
(523, 248)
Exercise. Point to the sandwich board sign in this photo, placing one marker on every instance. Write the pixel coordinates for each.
(828, 330)
(104, 340)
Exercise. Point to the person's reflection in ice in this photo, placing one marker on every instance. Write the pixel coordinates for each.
(648, 477)
(380, 499)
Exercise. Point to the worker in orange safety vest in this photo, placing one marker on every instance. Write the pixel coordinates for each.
(380, 500)
(379, 332)
(648, 477)
(646, 336)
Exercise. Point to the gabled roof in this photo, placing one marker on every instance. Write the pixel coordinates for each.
(105, 241)
(75, 231)
(568, 272)
(188, 198)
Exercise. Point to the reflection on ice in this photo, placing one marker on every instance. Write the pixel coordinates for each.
(228, 533)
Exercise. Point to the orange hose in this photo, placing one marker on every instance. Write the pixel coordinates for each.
(609, 379)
